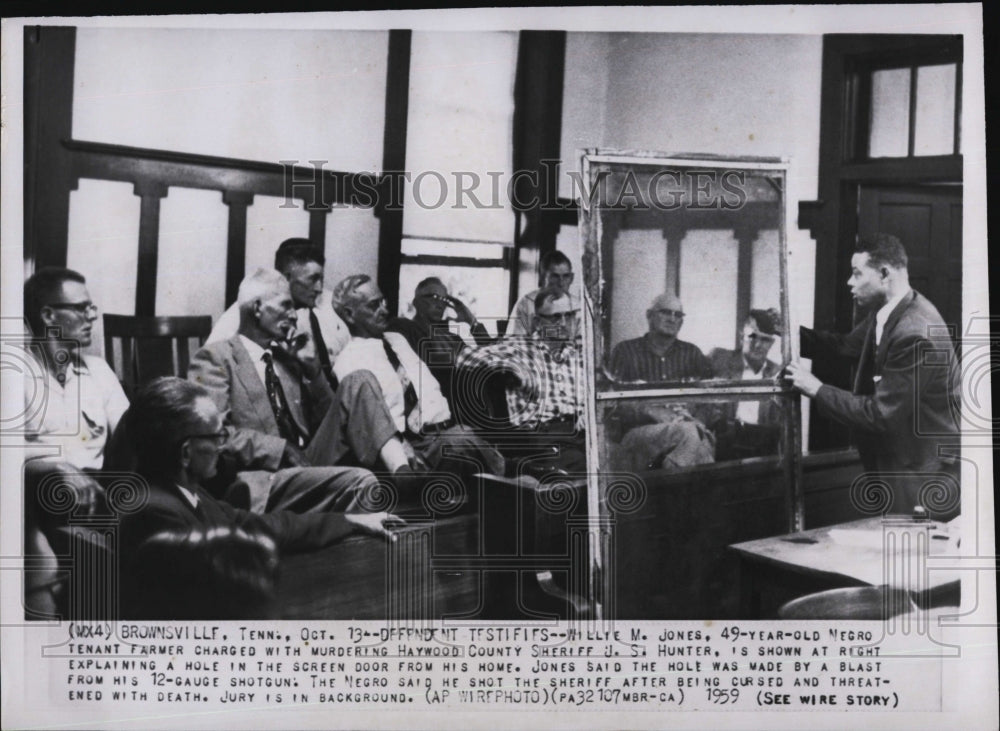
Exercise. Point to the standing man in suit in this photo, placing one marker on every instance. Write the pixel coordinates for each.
(275, 414)
(903, 407)
(319, 334)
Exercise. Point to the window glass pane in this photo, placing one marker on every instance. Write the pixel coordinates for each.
(483, 290)
(890, 120)
(459, 131)
(934, 133)
(688, 255)
(677, 436)
(417, 247)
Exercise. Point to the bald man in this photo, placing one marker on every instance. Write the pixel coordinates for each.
(659, 356)
(660, 435)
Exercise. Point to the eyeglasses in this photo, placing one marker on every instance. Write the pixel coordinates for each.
(81, 308)
(676, 314)
(374, 304)
(218, 437)
(435, 298)
(557, 317)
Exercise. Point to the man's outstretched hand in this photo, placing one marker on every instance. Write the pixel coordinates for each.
(377, 524)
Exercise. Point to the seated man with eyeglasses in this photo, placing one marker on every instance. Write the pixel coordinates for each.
(663, 434)
(429, 337)
(749, 427)
(545, 390)
(176, 432)
(391, 410)
(72, 404)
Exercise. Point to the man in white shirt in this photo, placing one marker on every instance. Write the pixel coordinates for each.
(393, 409)
(749, 427)
(557, 274)
(73, 401)
(904, 404)
(319, 334)
(72, 404)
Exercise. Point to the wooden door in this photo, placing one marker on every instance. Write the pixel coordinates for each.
(928, 220)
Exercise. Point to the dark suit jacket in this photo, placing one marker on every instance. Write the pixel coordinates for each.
(227, 371)
(439, 349)
(168, 510)
(906, 393)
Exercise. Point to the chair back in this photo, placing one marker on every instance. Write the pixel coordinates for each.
(856, 602)
(142, 348)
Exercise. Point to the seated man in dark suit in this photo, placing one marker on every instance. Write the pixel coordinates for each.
(276, 419)
(429, 336)
(749, 427)
(177, 432)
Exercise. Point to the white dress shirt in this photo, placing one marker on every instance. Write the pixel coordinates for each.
(748, 410)
(883, 314)
(257, 356)
(76, 416)
(368, 354)
(334, 331)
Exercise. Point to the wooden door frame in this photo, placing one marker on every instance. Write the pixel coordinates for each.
(832, 218)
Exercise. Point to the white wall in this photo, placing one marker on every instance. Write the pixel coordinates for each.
(256, 95)
(725, 94)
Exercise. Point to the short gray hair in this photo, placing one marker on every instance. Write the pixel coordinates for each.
(258, 285)
(345, 293)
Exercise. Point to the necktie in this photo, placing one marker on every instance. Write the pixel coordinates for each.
(409, 392)
(321, 352)
(866, 365)
(276, 395)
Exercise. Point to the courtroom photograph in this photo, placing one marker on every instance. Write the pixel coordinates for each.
(515, 326)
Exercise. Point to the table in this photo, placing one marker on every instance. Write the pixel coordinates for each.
(883, 550)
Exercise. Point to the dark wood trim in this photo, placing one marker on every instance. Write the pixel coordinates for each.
(49, 59)
(744, 276)
(537, 130)
(957, 149)
(149, 245)
(911, 131)
(390, 208)
(185, 170)
(317, 226)
(236, 249)
(454, 261)
(843, 165)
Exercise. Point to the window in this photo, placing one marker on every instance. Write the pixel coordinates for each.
(458, 224)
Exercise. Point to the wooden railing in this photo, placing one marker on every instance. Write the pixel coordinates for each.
(154, 172)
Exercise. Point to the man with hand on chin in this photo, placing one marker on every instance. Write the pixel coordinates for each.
(429, 337)
(278, 419)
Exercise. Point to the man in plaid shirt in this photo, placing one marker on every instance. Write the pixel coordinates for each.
(545, 387)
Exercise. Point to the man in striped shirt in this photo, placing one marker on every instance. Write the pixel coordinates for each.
(661, 434)
(659, 356)
(545, 393)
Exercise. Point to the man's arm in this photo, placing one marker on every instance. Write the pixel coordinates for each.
(253, 449)
(519, 322)
(891, 406)
(816, 343)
